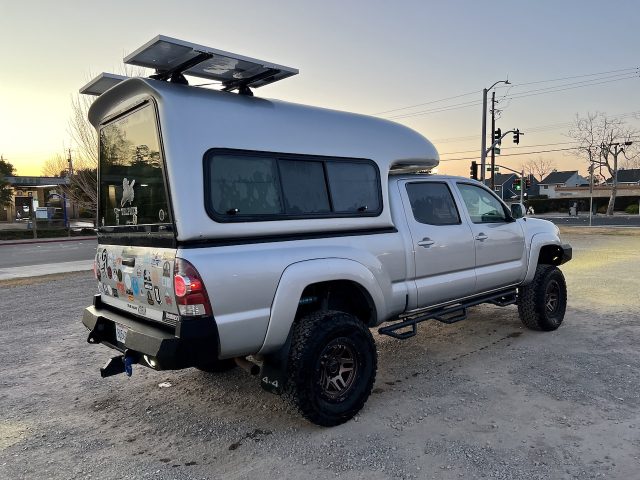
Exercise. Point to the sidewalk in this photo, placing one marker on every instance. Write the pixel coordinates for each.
(46, 269)
(46, 240)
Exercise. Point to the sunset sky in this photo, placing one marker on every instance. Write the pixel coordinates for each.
(563, 58)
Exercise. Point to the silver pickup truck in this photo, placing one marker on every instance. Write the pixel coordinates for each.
(235, 230)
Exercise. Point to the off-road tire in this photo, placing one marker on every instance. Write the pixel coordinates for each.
(218, 366)
(543, 302)
(318, 339)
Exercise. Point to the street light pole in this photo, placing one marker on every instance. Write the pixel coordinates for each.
(483, 151)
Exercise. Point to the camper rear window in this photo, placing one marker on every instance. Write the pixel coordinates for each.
(131, 182)
(249, 186)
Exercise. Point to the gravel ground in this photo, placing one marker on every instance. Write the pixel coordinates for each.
(483, 398)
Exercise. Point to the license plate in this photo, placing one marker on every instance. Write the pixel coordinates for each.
(121, 333)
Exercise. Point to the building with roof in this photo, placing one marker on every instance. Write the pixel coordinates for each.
(33, 192)
(557, 179)
(504, 186)
(629, 176)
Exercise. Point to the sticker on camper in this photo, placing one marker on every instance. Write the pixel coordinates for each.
(161, 215)
(127, 192)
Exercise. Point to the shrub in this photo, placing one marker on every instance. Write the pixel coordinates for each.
(632, 209)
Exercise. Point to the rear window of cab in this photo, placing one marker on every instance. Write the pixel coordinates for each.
(256, 186)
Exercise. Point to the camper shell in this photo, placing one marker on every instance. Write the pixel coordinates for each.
(195, 121)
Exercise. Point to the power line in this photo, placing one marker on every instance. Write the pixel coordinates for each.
(515, 85)
(539, 128)
(618, 71)
(529, 93)
(513, 154)
(561, 88)
(525, 146)
(425, 103)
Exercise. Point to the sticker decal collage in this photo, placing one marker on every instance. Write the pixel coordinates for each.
(141, 277)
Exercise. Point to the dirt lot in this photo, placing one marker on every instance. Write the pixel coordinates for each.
(483, 398)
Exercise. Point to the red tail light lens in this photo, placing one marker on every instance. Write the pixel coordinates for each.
(191, 296)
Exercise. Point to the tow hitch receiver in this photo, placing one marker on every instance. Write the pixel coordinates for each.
(119, 364)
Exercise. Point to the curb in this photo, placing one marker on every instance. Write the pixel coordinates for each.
(44, 240)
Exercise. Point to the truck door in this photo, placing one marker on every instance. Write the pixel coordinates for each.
(499, 241)
(442, 243)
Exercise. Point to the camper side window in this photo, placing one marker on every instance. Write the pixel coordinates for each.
(255, 186)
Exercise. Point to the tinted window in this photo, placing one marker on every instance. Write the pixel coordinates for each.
(132, 190)
(256, 186)
(432, 203)
(481, 205)
(303, 187)
(354, 187)
(244, 185)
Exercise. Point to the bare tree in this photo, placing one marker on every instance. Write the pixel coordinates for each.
(83, 182)
(538, 167)
(602, 141)
(81, 188)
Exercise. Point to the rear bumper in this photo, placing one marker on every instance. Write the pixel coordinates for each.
(193, 342)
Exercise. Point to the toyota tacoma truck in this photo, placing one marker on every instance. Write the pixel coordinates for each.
(236, 230)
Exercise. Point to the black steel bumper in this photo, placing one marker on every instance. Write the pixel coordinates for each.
(567, 253)
(193, 342)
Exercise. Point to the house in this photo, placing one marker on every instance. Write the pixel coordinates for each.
(560, 179)
(504, 186)
(630, 176)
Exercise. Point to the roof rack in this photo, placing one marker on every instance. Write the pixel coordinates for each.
(172, 59)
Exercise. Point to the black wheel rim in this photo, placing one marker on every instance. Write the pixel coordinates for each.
(338, 368)
(552, 298)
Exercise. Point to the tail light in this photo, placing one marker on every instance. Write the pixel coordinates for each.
(191, 296)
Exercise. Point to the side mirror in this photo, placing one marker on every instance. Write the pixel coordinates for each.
(517, 210)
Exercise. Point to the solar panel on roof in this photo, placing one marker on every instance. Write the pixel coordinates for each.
(170, 56)
(102, 83)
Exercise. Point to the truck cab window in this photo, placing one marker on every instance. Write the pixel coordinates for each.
(432, 203)
(481, 205)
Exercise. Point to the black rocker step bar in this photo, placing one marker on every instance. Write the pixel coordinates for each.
(448, 314)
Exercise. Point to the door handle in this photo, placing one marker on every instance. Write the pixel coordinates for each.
(426, 242)
(482, 237)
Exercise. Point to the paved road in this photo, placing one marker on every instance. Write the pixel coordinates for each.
(598, 220)
(46, 253)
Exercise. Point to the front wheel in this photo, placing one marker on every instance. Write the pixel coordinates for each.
(332, 367)
(543, 302)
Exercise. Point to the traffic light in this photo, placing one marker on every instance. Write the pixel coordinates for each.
(517, 184)
(473, 171)
(516, 136)
(527, 182)
(497, 135)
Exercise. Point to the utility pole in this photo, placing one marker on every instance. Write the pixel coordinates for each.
(483, 147)
(493, 129)
(591, 167)
(70, 163)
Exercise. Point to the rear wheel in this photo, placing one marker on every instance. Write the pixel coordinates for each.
(542, 303)
(332, 367)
